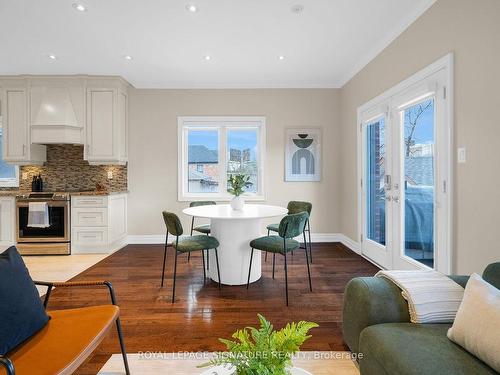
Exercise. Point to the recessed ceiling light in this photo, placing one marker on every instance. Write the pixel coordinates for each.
(207, 57)
(128, 57)
(281, 57)
(52, 57)
(192, 8)
(80, 7)
(297, 8)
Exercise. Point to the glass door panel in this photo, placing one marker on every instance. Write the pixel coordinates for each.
(419, 181)
(375, 174)
(375, 207)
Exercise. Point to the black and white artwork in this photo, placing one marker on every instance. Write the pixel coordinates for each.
(303, 154)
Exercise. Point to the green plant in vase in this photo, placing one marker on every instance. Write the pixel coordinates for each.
(238, 183)
(263, 351)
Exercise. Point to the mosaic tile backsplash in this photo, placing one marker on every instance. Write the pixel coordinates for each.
(65, 170)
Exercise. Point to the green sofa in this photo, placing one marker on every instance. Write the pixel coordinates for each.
(376, 324)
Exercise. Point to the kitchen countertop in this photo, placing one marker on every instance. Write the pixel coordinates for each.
(13, 193)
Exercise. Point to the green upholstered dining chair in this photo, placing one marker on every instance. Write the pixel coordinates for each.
(290, 226)
(205, 228)
(186, 245)
(294, 207)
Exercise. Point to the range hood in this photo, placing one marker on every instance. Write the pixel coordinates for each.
(54, 117)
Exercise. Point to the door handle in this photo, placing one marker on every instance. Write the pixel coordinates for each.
(395, 199)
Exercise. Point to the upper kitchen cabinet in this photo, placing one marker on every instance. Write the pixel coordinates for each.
(15, 110)
(107, 118)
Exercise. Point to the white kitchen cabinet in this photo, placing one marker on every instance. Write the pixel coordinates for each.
(88, 110)
(107, 119)
(98, 223)
(7, 222)
(17, 146)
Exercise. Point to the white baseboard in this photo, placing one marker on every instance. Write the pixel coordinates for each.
(349, 243)
(315, 237)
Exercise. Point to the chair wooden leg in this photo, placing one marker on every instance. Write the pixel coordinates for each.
(250, 269)
(175, 276)
(286, 279)
(308, 269)
(164, 259)
(218, 269)
(274, 262)
(204, 269)
(122, 346)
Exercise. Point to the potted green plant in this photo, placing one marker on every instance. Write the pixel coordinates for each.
(261, 351)
(238, 183)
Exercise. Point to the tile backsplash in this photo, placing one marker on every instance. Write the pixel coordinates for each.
(65, 170)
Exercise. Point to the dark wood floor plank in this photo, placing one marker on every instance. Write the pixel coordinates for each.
(201, 313)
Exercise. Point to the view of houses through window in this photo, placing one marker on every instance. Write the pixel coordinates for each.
(419, 181)
(8, 173)
(216, 153)
(418, 153)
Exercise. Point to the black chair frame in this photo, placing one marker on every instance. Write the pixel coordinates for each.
(175, 264)
(307, 228)
(286, 265)
(189, 255)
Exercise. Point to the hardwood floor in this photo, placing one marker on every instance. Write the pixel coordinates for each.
(202, 313)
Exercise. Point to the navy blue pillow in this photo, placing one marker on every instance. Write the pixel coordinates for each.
(21, 309)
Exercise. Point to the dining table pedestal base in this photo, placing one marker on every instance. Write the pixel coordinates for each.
(234, 251)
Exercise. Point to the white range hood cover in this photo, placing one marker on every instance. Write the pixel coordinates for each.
(56, 109)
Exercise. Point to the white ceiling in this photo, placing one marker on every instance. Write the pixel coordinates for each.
(324, 46)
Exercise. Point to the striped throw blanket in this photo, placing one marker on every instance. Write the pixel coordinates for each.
(432, 297)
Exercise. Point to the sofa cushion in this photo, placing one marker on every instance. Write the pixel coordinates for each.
(411, 349)
(477, 324)
(21, 311)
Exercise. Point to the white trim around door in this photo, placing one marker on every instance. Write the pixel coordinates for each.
(434, 81)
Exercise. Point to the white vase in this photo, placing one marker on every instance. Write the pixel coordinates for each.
(237, 203)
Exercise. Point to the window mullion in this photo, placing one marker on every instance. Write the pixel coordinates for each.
(222, 160)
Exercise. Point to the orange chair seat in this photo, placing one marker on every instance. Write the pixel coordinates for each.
(65, 342)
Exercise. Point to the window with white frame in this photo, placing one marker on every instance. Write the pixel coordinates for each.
(213, 148)
(9, 174)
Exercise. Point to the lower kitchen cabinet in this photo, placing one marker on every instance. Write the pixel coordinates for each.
(98, 223)
(7, 222)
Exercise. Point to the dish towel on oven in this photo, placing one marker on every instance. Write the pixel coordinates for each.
(38, 215)
(432, 297)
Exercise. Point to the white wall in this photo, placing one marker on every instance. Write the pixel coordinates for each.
(153, 148)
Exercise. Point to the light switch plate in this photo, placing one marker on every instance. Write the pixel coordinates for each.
(461, 155)
(25, 175)
(110, 175)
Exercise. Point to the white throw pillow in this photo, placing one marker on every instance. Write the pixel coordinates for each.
(477, 324)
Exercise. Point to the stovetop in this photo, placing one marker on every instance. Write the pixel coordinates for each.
(44, 195)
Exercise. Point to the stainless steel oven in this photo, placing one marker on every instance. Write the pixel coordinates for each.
(54, 239)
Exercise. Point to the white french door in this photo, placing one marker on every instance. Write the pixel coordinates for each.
(405, 172)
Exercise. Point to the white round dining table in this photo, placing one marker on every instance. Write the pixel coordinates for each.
(234, 230)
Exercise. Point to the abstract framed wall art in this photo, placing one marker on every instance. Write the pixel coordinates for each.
(303, 154)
